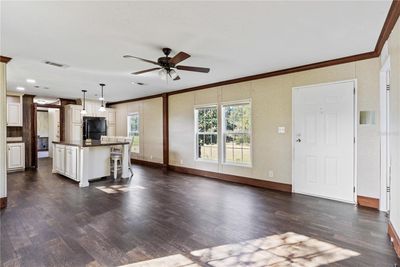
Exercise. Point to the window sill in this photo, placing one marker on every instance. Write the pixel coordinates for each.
(207, 161)
(238, 165)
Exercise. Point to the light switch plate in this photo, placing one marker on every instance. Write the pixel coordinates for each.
(281, 130)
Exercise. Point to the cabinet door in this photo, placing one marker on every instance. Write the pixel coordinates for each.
(71, 162)
(76, 115)
(76, 132)
(16, 156)
(14, 114)
(60, 159)
(110, 116)
(111, 130)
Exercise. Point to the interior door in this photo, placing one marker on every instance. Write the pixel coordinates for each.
(324, 140)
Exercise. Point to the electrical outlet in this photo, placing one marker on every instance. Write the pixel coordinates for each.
(181, 161)
(151, 156)
(270, 174)
(281, 130)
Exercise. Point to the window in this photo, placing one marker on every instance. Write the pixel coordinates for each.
(133, 131)
(206, 119)
(237, 133)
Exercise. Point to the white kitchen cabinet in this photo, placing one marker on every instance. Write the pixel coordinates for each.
(59, 159)
(15, 156)
(73, 119)
(76, 132)
(73, 123)
(111, 116)
(71, 162)
(75, 111)
(14, 110)
(111, 130)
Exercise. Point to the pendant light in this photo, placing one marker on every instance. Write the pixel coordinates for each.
(83, 112)
(102, 108)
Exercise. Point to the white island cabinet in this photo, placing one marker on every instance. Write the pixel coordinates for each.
(84, 162)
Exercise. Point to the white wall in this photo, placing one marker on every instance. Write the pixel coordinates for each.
(394, 53)
(43, 124)
(151, 137)
(54, 128)
(271, 108)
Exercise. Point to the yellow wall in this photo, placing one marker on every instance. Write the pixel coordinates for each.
(394, 53)
(151, 138)
(272, 107)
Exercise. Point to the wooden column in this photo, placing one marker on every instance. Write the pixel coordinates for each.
(3, 132)
(165, 132)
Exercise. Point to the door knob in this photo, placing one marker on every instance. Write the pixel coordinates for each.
(298, 140)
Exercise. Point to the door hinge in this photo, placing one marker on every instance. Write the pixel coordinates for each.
(354, 90)
(354, 189)
(388, 189)
(387, 87)
(354, 140)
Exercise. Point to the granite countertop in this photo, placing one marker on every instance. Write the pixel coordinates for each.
(93, 143)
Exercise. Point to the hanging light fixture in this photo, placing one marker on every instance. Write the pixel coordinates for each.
(102, 108)
(163, 74)
(83, 112)
(173, 74)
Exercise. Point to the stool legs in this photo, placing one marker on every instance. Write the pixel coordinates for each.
(115, 168)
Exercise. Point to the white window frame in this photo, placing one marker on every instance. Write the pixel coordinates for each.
(196, 156)
(224, 133)
(128, 128)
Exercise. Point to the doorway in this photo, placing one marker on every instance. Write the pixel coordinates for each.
(324, 140)
(43, 136)
(47, 130)
(384, 201)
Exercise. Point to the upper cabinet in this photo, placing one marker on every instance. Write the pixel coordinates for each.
(14, 110)
(111, 115)
(73, 119)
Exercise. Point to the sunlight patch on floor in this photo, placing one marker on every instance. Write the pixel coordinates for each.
(177, 260)
(113, 189)
(289, 249)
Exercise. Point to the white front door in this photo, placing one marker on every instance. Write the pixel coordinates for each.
(323, 142)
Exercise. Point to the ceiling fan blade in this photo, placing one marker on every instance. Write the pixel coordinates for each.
(189, 68)
(177, 78)
(144, 71)
(142, 59)
(181, 56)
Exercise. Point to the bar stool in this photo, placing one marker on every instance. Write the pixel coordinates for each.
(116, 156)
(116, 163)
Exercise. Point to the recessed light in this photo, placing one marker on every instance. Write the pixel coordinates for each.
(20, 88)
(30, 81)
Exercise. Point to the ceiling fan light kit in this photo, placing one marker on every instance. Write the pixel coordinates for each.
(167, 66)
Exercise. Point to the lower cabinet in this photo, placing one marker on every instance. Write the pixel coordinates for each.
(71, 163)
(15, 156)
(66, 161)
(59, 159)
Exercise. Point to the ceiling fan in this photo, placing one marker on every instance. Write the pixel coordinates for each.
(167, 65)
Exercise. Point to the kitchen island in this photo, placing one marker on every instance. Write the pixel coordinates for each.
(83, 162)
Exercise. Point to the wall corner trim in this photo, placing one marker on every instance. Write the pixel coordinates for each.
(395, 238)
(234, 178)
(3, 202)
(369, 202)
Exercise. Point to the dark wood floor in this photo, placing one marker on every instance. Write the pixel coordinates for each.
(50, 221)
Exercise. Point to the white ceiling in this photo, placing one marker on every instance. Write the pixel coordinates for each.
(234, 39)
